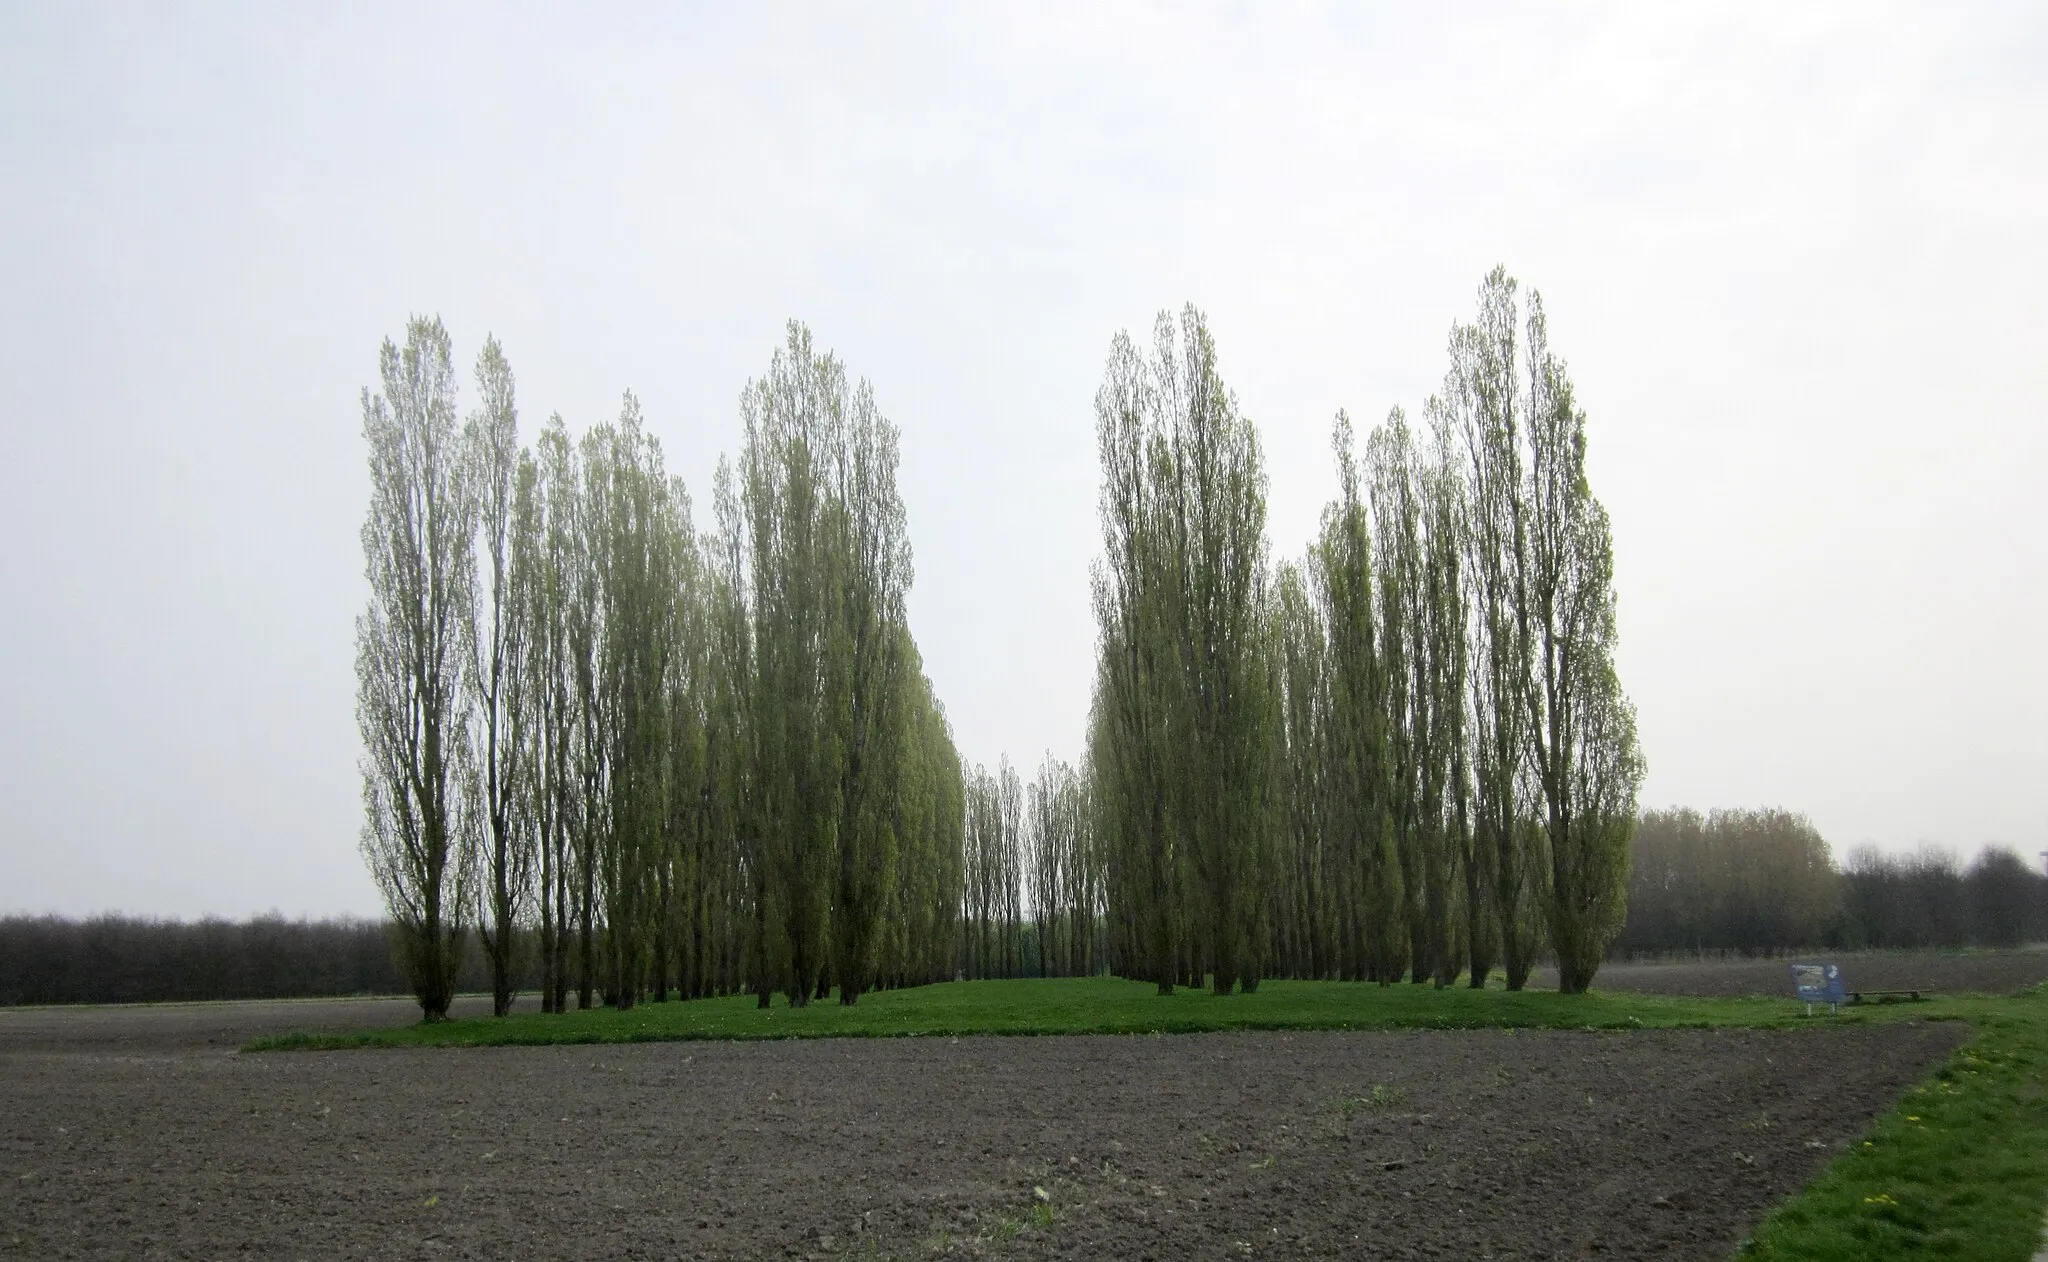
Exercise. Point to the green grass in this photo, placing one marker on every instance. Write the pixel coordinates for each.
(1101, 1006)
(1958, 1171)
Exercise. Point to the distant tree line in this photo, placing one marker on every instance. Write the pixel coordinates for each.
(1763, 881)
(126, 959)
(1755, 882)
(119, 959)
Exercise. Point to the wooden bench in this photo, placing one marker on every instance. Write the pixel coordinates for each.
(1888, 996)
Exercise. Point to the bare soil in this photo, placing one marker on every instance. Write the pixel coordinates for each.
(1930, 972)
(138, 1133)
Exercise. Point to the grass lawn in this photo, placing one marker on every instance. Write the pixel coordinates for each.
(1958, 1171)
(1096, 1005)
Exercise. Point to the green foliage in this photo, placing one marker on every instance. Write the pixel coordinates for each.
(1407, 755)
(1744, 880)
(417, 539)
(842, 722)
(993, 921)
(1363, 779)
(1064, 865)
(713, 761)
(1186, 718)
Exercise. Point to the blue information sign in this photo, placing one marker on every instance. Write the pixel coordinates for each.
(1817, 983)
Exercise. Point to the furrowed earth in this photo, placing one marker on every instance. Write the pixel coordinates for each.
(142, 1133)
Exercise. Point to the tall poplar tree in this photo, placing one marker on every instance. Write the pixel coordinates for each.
(1222, 634)
(499, 633)
(1371, 896)
(549, 557)
(417, 551)
(638, 534)
(1186, 704)
(1133, 727)
(1582, 727)
(1484, 398)
(1460, 927)
(1398, 566)
(872, 572)
(1304, 937)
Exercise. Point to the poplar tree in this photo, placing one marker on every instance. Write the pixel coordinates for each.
(1398, 566)
(1009, 865)
(637, 529)
(1064, 871)
(992, 898)
(1217, 498)
(830, 566)
(872, 572)
(1371, 897)
(417, 551)
(1582, 728)
(1483, 396)
(498, 629)
(1304, 924)
(1084, 887)
(1186, 701)
(923, 916)
(1047, 858)
(735, 758)
(549, 557)
(589, 701)
(786, 461)
(1133, 724)
(1459, 901)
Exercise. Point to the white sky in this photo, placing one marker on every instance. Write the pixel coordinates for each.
(1795, 256)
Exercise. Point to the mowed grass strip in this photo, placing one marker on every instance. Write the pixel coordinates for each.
(1101, 1005)
(1958, 1170)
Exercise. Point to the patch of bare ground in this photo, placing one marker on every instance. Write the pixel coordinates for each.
(192, 1027)
(1660, 1144)
(1936, 972)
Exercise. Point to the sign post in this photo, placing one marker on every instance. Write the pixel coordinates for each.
(1817, 983)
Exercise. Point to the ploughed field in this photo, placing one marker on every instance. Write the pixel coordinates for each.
(141, 1133)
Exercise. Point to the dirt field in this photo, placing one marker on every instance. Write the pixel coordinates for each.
(138, 1134)
(1947, 973)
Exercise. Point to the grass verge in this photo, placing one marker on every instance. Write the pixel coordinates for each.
(1103, 1005)
(1958, 1170)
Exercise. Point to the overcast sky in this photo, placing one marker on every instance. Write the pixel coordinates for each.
(1795, 256)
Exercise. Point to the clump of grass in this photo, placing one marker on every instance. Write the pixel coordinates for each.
(1381, 1098)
